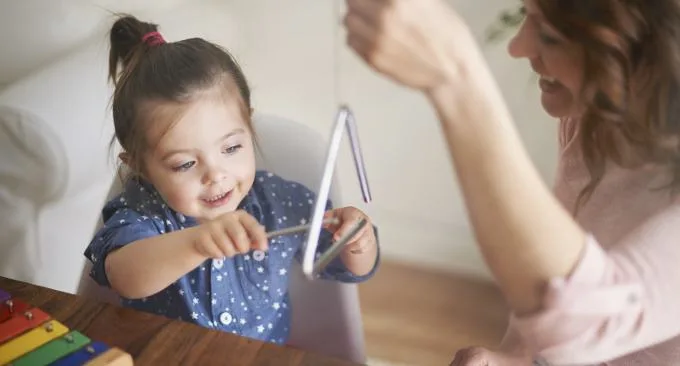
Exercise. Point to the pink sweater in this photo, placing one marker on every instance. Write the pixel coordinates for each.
(622, 302)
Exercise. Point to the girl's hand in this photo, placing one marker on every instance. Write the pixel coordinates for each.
(418, 43)
(346, 218)
(230, 234)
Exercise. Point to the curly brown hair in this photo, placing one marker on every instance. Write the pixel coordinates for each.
(631, 73)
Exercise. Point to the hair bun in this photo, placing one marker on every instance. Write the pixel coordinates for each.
(126, 37)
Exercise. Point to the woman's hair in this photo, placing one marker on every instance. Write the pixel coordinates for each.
(631, 78)
(155, 72)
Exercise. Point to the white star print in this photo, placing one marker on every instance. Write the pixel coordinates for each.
(276, 305)
(260, 329)
(181, 292)
(260, 269)
(242, 321)
(303, 221)
(219, 277)
(282, 272)
(194, 315)
(195, 301)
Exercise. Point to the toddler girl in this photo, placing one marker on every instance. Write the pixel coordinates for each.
(187, 237)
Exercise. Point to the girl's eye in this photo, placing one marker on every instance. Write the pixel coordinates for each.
(184, 167)
(233, 149)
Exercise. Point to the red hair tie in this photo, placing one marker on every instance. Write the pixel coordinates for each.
(153, 39)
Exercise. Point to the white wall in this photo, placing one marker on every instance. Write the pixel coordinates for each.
(294, 55)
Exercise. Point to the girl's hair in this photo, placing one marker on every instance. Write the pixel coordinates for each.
(631, 78)
(155, 72)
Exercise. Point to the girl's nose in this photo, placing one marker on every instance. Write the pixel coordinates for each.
(215, 174)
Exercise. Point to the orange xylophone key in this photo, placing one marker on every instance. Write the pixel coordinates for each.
(21, 323)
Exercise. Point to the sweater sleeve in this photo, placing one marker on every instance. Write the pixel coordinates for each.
(615, 302)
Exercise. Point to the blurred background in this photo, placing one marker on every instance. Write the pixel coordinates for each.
(434, 294)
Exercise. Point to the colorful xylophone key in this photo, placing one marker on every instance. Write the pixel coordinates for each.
(11, 307)
(29, 337)
(4, 296)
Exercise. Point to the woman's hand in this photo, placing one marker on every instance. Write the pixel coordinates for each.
(478, 356)
(418, 43)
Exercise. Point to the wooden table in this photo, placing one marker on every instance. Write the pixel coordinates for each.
(156, 340)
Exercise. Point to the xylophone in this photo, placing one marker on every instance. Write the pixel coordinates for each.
(29, 336)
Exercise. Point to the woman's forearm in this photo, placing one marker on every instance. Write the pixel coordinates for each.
(147, 266)
(524, 234)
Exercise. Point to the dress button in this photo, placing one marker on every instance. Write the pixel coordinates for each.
(258, 255)
(218, 263)
(225, 318)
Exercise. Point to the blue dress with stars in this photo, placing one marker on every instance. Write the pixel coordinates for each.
(246, 294)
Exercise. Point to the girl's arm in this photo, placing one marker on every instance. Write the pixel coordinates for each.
(147, 266)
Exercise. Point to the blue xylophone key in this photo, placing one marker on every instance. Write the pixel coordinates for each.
(4, 296)
(83, 355)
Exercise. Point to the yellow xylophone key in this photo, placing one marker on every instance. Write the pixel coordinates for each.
(31, 340)
(112, 357)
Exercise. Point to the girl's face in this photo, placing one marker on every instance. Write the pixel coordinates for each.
(558, 62)
(204, 165)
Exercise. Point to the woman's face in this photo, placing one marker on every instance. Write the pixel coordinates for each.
(557, 61)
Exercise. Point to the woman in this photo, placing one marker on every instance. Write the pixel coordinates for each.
(592, 273)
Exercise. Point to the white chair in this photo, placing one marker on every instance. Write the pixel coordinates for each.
(326, 317)
(55, 167)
